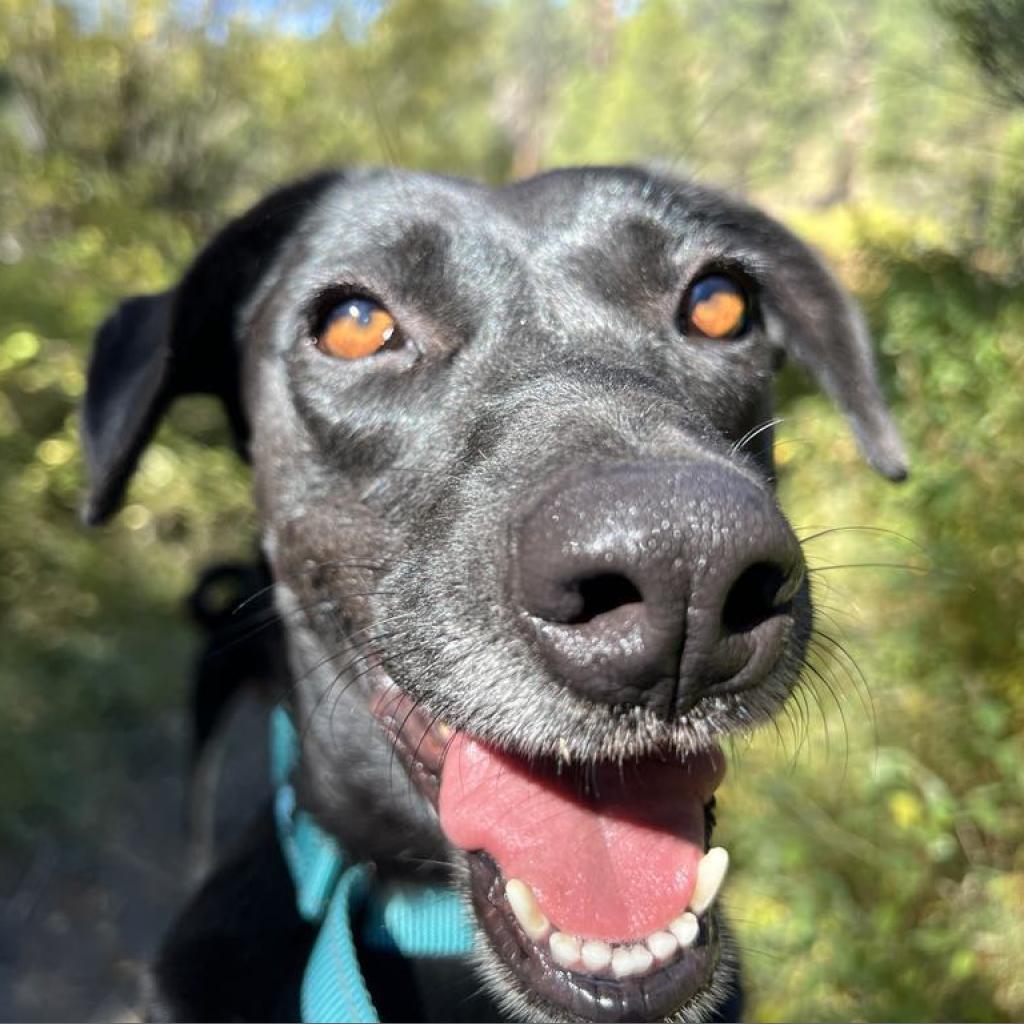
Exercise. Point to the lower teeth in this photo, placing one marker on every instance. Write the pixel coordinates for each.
(627, 959)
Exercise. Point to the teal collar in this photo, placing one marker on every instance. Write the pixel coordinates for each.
(332, 888)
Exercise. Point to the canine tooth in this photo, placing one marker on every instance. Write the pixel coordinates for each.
(596, 955)
(642, 959)
(444, 731)
(622, 962)
(710, 875)
(685, 928)
(528, 913)
(662, 945)
(565, 949)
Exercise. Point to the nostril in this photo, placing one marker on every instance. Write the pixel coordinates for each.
(603, 593)
(754, 597)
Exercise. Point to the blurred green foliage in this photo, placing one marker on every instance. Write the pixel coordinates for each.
(881, 875)
(879, 832)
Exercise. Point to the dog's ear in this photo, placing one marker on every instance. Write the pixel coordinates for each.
(126, 394)
(811, 317)
(155, 348)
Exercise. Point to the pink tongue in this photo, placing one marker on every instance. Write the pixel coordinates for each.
(613, 859)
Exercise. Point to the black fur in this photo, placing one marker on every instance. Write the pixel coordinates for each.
(238, 950)
(243, 653)
(543, 341)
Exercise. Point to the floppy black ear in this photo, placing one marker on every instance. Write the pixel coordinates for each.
(813, 318)
(126, 395)
(154, 348)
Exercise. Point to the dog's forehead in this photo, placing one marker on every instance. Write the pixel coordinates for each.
(573, 199)
(388, 214)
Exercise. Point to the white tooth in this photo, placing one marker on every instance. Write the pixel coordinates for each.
(443, 730)
(565, 949)
(662, 945)
(622, 962)
(596, 955)
(642, 959)
(710, 875)
(685, 928)
(528, 913)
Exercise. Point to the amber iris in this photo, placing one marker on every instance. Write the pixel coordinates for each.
(356, 328)
(716, 307)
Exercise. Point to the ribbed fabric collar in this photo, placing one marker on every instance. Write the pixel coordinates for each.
(332, 889)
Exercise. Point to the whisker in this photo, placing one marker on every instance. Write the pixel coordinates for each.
(747, 950)
(354, 647)
(865, 529)
(269, 618)
(416, 703)
(923, 569)
(820, 675)
(859, 680)
(754, 432)
(829, 613)
(332, 563)
(818, 633)
(357, 655)
(364, 671)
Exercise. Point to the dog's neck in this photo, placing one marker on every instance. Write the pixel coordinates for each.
(349, 777)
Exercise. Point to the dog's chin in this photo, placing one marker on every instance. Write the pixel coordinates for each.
(615, 963)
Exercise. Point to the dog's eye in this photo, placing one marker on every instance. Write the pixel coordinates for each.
(716, 307)
(356, 328)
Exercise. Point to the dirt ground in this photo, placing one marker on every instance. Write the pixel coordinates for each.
(82, 914)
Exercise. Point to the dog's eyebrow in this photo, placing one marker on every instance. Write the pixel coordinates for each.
(632, 261)
(415, 257)
(418, 269)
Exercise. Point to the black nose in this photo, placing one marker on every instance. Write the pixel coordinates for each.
(657, 583)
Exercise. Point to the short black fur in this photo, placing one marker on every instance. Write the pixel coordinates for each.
(398, 494)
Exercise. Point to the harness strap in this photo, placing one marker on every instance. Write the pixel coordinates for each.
(331, 889)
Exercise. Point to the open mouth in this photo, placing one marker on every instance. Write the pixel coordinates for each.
(595, 884)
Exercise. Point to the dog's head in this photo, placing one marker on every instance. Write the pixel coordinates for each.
(512, 453)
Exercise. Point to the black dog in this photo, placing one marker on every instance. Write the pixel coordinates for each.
(512, 454)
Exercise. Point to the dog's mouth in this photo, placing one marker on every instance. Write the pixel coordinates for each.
(594, 885)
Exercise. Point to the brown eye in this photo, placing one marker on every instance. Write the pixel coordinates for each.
(356, 328)
(717, 307)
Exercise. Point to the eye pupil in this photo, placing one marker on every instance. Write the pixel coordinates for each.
(717, 307)
(355, 328)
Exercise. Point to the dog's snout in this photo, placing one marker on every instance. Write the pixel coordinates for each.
(656, 583)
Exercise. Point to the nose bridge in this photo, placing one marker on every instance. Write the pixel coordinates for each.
(657, 582)
(585, 408)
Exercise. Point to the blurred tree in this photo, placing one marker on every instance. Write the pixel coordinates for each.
(992, 31)
(533, 43)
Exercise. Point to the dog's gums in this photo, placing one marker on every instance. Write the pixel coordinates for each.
(615, 918)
